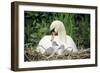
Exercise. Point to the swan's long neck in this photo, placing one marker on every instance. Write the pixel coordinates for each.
(62, 34)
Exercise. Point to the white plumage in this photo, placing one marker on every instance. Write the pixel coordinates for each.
(63, 41)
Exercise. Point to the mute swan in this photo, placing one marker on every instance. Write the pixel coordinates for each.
(59, 43)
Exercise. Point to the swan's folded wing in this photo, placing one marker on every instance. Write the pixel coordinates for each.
(70, 44)
(45, 42)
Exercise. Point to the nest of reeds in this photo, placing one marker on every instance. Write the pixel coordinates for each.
(32, 55)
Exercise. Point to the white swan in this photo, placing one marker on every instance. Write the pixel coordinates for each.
(63, 41)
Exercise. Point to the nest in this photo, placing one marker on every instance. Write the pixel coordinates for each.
(32, 55)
